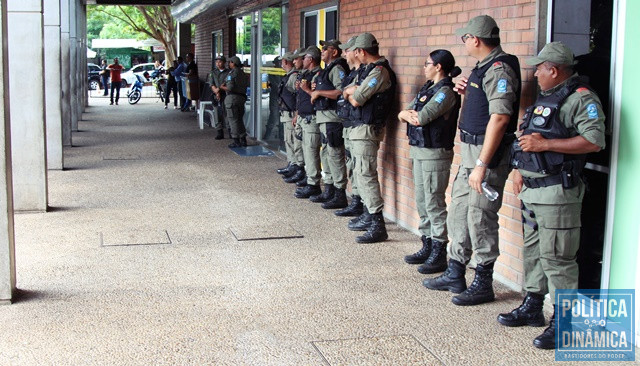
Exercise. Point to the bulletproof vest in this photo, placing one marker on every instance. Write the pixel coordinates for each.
(241, 82)
(376, 110)
(287, 99)
(475, 112)
(303, 100)
(344, 108)
(440, 132)
(324, 83)
(542, 117)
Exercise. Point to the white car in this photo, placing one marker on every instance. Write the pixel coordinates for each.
(129, 75)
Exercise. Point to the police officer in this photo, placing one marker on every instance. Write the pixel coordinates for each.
(327, 86)
(311, 139)
(216, 79)
(489, 119)
(565, 123)
(236, 88)
(432, 118)
(371, 96)
(298, 176)
(355, 207)
(287, 104)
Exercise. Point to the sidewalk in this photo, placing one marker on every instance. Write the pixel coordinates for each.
(189, 293)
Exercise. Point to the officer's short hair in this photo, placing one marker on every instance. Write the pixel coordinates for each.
(490, 42)
(560, 67)
(373, 51)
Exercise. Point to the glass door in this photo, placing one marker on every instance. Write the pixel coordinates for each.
(270, 75)
(245, 44)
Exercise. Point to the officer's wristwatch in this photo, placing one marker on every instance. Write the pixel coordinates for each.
(481, 163)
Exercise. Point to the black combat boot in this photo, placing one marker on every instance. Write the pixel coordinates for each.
(339, 200)
(302, 181)
(360, 223)
(355, 208)
(236, 143)
(547, 340)
(376, 232)
(529, 313)
(220, 134)
(421, 255)
(243, 141)
(481, 289)
(285, 170)
(308, 191)
(452, 279)
(327, 195)
(437, 261)
(299, 174)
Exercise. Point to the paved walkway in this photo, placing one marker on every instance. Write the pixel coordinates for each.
(189, 293)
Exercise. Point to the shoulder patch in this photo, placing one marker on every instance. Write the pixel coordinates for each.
(372, 82)
(440, 97)
(497, 64)
(583, 89)
(592, 111)
(341, 74)
(502, 86)
(228, 77)
(379, 67)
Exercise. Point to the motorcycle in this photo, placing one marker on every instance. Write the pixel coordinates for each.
(135, 93)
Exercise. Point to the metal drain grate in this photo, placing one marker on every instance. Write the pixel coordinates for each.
(265, 232)
(254, 150)
(391, 350)
(134, 237)
(122, 157)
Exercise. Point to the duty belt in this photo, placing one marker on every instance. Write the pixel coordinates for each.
(468, 138)
(542, 182)
(282, 113)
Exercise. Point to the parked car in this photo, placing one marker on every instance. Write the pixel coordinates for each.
(93, 72)
(128, 77)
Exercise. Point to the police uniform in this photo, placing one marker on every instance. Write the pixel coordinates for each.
(217, 78)
(287, 95)
(236, 82)
(432, 153)
(553, 190)
(493, 88)
(332, 150)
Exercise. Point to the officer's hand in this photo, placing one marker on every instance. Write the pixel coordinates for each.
(297, 84)
(517, 182)
(461, 86)
(404, 116)
(476, 178)
(293, 121)
(313, 86)
(533, 143)
(314, 95)
(348, 91)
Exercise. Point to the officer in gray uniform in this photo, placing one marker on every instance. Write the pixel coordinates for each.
(311, 138)
(298, 176)
(236, 87)
(327, 86)
(371, 96)
(355, 207)
(216, 79)
(489, 120)
(565, 123)
(432, 120)
(287, 104)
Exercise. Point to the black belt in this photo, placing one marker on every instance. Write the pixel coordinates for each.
(282, 113)
(468, 138)
(551, 180)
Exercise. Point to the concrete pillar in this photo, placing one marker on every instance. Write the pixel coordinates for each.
(65, 52)
(26, 59)
(81, 64)
(184, 39)
(7, 244)
(53, 86)
(73, 64)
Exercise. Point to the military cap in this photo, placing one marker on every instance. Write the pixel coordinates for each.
(236, 60)
(312, 51)
(289, 56)
(299, 52)
(556, 52)
(349, 43)
(331, 43)
(365, 40)
(221, 58)
(482, 26)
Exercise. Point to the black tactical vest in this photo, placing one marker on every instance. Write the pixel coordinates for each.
(440, 132)
(324, 83)
(542, 117)
(344, 108)
(475, 112)
(305, 108)
(287, 99)
(376, 110)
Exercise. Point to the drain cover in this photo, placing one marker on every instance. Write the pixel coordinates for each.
(265, 232)
(134, 237)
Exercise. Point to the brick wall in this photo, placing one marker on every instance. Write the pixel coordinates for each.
(408, 30)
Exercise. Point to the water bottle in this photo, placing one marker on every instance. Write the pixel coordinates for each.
(489, 192)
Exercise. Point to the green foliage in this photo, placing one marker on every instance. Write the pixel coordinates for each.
(271, 32)
(104, 21)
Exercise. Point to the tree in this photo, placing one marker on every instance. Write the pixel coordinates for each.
(145, 21)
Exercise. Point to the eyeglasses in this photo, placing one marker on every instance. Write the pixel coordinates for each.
(465, 37)
(428, 63)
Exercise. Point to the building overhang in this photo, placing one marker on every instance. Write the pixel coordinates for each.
(129, 2)
(184, 11)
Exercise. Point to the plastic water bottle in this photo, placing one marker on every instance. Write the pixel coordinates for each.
(489, 192)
